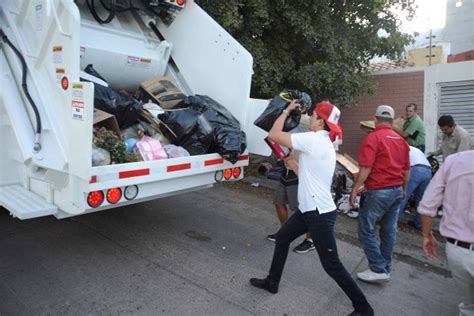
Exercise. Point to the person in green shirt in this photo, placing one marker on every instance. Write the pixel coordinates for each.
(413, 128)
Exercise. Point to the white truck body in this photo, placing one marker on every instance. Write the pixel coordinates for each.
(58, 39)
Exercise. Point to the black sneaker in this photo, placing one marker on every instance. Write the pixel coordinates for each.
(304, 247)
(271, 237)
(368, 312)
(265, 284)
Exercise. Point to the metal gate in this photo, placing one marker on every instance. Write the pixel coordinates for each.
(457, 99)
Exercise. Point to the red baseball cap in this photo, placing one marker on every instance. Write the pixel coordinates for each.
(330, 114)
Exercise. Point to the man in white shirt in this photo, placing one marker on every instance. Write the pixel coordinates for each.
(420, 177)
(317, 211)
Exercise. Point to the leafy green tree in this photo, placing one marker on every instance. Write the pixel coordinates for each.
(321, 47)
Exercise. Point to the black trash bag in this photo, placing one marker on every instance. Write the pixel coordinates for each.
(278, 104)
(206, 126)
(190, 130)
(182, 123)
(125, 108)
(201, 140)
(213, 111)
(229, 141)
(91, 71)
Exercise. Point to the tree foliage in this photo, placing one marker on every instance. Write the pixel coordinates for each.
(321, 47)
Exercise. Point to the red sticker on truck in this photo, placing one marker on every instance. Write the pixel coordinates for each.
(78, 110)
(138, 62)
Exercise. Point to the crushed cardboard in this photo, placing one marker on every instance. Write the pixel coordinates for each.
(349, 163)
(155, 123)
(107, 120)
(161, 90)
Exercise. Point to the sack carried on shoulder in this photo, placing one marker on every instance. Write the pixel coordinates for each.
(288, 178)
(277, 105)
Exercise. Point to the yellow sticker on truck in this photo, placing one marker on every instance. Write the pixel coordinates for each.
(77, 92)
(59, 74)
(57, 54)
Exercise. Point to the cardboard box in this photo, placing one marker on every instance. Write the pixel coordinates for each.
(348, 163)
(162, 91)
(398, 123)
(367, 125)
(107, 120)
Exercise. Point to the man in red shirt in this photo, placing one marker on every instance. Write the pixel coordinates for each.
(384, 170)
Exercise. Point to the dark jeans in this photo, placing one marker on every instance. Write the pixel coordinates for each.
(380, 207)
(420, 177)
(321, 230)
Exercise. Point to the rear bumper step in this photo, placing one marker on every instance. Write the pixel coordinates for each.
(25, 204)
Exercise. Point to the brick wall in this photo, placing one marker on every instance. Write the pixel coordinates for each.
(469, 55)
(396, 90)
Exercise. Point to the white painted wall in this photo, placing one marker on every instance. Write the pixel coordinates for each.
(434, 76)
(459, 25)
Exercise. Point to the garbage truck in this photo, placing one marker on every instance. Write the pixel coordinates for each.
(46, 110)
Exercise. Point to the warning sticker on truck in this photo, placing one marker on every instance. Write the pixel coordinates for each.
(59, 74)
(138, 62)
(77, 93)
(57, 54)
(78, 110)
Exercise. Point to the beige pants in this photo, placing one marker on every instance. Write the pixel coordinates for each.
(461, 264)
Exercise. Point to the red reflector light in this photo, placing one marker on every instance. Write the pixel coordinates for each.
(114, 195)
(228, 174)
(64, 83)
(180, 2)
(95, 199)
(244, 157)
(213, 162)
(237, 172)
(183, 166)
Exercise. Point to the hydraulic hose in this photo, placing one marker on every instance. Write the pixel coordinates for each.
(91, 5)
(111, 8)
(156, 31)
(24, 86)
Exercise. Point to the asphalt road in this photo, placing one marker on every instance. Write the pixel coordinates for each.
(193, 255)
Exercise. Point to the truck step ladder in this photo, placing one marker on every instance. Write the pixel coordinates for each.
(24, 204)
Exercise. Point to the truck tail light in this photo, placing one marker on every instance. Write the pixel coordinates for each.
(227, 174)
(219, 175)
(95, 198)
(130, 192)
(64, 83)
(114, 195)
(237, 172)
(180, 2)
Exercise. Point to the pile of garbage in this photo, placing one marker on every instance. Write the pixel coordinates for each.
(159, 122)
